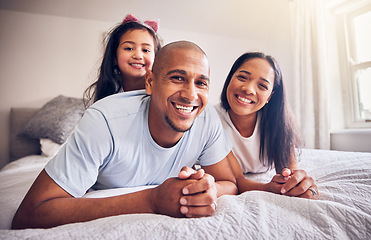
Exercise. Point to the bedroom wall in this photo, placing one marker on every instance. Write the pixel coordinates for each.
(43, 56)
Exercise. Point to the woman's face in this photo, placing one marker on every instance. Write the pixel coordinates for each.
(250, 87)
(135, 53)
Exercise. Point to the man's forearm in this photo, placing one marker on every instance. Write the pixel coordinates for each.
(59, 211)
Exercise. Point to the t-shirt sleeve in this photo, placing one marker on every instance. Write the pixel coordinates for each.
(217, 142)
(75, 168)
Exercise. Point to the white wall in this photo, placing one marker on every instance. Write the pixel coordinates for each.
(43, 56)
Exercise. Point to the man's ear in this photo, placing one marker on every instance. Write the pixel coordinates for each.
(149, 81)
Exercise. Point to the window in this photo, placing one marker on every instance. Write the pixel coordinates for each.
(355, 54)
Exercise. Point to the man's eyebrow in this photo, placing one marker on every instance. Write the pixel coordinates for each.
(248, 73)
(182, 72)
(204, 77)
(179, 71)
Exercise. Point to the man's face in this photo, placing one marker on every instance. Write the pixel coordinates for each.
(179, 90)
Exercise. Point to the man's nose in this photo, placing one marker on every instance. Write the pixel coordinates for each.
(190, 91)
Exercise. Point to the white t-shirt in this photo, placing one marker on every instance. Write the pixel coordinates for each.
(112, 147)
(246, 150)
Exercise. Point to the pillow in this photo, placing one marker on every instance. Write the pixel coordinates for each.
(49, 148)
(55, 120)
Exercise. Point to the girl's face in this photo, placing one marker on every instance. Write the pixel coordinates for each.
(135, 54)
(250, 87)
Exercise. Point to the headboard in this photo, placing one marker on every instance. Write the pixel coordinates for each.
(21, 146)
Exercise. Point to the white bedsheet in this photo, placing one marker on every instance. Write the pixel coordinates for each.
(342, 212)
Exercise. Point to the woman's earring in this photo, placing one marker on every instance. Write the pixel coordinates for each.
(116, 70)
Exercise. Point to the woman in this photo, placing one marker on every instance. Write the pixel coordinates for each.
(256, 116)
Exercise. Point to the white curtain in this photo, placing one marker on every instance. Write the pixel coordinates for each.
(309, 99)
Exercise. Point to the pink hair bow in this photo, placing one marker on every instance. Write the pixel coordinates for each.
(132, 18)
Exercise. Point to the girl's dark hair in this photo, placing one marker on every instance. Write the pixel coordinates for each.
(279, 134)
(108, 82)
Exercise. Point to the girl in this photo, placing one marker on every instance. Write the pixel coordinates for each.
(256, 116)
(130, 51)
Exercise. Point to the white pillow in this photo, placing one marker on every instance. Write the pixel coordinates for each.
(49, 148)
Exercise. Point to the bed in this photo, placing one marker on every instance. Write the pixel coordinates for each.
(343, 210)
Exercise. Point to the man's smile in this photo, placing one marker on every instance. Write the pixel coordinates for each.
(184, 108)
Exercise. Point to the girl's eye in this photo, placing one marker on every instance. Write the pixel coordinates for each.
(128, 48)
(146, 50)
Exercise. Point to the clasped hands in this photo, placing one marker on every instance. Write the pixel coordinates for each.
(294, 183)
(191, 194)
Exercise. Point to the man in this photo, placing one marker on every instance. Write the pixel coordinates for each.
(134, 139)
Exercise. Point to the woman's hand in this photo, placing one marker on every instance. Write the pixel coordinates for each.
(297, 184)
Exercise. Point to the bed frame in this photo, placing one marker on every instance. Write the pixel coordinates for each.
(21, 146)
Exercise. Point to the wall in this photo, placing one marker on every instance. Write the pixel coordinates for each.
(43, 56)
(353, 140)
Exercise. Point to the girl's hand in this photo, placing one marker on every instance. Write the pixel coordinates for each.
(298, 184)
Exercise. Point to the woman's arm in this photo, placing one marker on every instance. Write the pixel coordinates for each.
(244, 184)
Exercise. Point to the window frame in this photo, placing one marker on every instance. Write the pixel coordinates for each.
(346, 50)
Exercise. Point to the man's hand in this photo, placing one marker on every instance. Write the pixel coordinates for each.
(165, 198)
(190, 173)
(199, 196)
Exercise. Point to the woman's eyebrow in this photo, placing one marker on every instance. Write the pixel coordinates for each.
(265, 80)
(248, 73)
(244, 71)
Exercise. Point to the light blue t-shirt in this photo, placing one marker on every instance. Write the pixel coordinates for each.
(112, 147)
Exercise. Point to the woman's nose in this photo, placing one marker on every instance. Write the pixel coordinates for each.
(248, 88)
